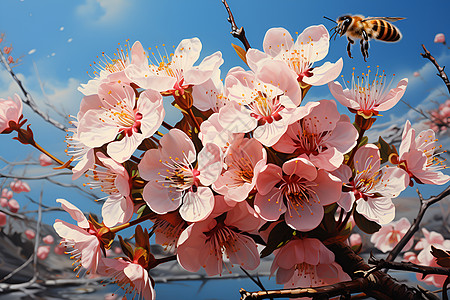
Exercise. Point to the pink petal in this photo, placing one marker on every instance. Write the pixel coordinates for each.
(325, 73)
(205, 70)
(197, 206)
(269, 176)
(209, 164)
(393, 96)
(304, 218)
(161, 199)
(301, 167)
(270, 206)
(74, 212)
(277, 40)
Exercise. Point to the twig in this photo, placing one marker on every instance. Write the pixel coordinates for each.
(26, 263)
(18, 163)
(28, 98)
(322, 292)
(238, 33)
(408, 266)
(34, 177)
(37, 238)
(11, 214)
(440, 69)
(424, 204)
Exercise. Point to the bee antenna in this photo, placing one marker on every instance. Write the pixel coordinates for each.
(330, 19)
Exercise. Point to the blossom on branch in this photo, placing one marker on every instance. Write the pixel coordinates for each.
(390, 234)
(10, 110)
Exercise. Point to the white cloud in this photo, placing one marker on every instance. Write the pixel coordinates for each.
(103, 11)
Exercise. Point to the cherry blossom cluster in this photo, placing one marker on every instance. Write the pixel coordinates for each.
(251, 162)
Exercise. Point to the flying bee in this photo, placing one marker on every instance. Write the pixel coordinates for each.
(359, 27)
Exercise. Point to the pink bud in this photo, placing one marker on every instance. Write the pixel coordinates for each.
(44, 160)
(48, 239)
(30, 234)
(10, 110)
(10, 59)
(3, 202)
(13, 205)
(416, 74)
(355, 239)
(439, 38)
(7, 193)
(7, 50)
(19, 186)
(42, 252)
(59, 250)
(2, 219)
(117, 250)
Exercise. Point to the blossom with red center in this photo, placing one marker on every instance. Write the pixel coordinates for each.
(259, 102)
(86, 239)
(323, 136)
(112, 178)
(206, 243)
(244, 160)
(390, 234)
(298, 190)
(174, 182)
(10, 110)
(368, 97)
(419, 156)
(168, 228)
(311, 46)
(306, 262)
(371, 186)
(211, 131)
(113, 69)
(174, 73)
(117, 111)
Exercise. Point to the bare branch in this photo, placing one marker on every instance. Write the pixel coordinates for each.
(440, 69)
(238, 33)
(28, 100)
(424, 204)
(34, 177)
(11, 214)
(408, 266)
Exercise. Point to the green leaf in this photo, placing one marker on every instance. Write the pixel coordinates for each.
(364, 141)
(385, 150)
(364, 224)
(279, 236)
(126, 248)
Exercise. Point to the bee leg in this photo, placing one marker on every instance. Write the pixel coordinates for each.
(365, 45)
(349, 45)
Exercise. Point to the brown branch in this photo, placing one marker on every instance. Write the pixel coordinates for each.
(440, 69)
(28, 100)
(424, 204)
(322, 292)
(408, 266)
(236, 32)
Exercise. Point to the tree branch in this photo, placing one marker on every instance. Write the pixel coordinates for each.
(28, 100)
(424, 204)
(408, 266)
(440, 69)
(236, 32)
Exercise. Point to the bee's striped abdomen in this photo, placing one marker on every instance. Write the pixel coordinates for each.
(386, 31)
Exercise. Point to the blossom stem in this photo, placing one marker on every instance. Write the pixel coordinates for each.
(194, 119)
(165, 259)
(167, 126)
(37, 146)
(118, 228)
(347, 217)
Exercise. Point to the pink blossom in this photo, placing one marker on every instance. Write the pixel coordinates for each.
(117, 250)
(323, 136)
(371, 187)
(113, 179)
(3, 202)
(204, 244)
(10, 59)
(48, 239)
(42, 252)
(178, 73)
(2, 219)
(113, 70)
(244, 160)
(10, 110)
(44, 160)
(30, 234)
(130, 276)
(7, 193)
(426, 258)
(168, 228)
(418, 156)
(416, 74)
(264, 102)
(311, 46)
(13, 205)
(390, 234)
(439, 38)
(7, 49)
(81, 237)
(212, 132)
(59, 250)
(305, 263)
(355, 239)
(298, 191)
(174, 182)
(210, 94)
(117, 111)
(367, 97)
(18, 186)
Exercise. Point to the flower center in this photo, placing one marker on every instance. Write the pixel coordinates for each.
(298, 193)
(309, 140)
(179, 175)
(266, 109)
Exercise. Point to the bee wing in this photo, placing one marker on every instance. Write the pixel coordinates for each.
(389, 19)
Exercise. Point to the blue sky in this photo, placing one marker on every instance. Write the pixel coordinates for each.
(67, 36)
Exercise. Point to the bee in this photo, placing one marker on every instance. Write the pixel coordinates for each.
(359, 27)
